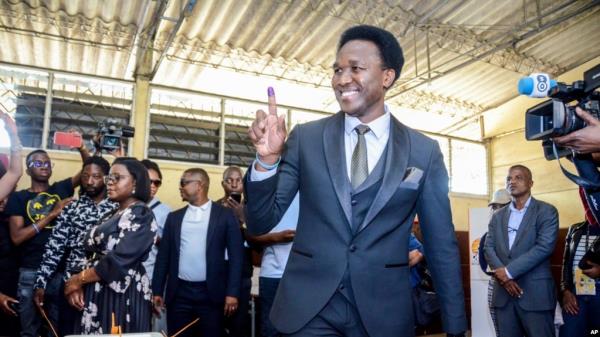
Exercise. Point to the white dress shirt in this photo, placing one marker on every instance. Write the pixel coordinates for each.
(192, 249)
(160, 212)
(376, 139)
(275, 256)
(514, 222)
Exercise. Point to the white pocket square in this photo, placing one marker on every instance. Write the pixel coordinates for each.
(412, 178)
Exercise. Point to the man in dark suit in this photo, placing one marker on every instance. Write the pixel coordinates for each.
(362, 176)
(520, 240)
(200, 260)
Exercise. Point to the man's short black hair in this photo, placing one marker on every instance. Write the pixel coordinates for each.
(34, 152)
(140, 175)
(230, 169)
(522, 168)
(389, 48)
(200, 172)
(152, 165)
(97, 160)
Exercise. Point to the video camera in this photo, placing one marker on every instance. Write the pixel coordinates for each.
(110, 134)
(556, 117)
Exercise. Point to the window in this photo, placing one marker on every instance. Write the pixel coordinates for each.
(469, 168)
(81, 103)
(23, 96)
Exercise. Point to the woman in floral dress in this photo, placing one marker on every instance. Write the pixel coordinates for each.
(115, 283)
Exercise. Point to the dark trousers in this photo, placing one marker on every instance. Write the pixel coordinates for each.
(339, 318)
(9, 325)
(516, 322)
(586, 320)
(70, 318)
(238, 325)
(267, 289)
(191, 301)
(31, 319)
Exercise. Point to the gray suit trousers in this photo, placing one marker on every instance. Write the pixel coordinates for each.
(516, 322)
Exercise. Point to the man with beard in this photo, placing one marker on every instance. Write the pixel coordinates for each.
(32, 213)
(69, 229)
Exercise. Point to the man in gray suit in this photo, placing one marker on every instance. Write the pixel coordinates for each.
(520, 240)
(362, 176)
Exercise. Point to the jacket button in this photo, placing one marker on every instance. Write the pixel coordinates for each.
(352, 248)
(354, 202)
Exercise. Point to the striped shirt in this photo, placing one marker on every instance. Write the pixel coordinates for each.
(581, 247)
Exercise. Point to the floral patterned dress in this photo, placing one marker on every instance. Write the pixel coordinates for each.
(116, 250)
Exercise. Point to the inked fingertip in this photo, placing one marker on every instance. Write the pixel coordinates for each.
(270, 91)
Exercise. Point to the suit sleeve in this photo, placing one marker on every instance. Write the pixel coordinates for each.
(235, 251)
(161, 266)
(490, 243)
(441, 247)
(544, 244)
(270, 198)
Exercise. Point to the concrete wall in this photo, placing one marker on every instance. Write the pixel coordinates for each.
(505, 128)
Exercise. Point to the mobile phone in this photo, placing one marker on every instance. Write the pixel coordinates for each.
(71, 139)
(236, 196)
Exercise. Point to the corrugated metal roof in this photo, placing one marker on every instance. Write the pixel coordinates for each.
(477, 49)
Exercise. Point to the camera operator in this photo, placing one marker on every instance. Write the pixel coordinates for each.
(586, 140)
(580, 295)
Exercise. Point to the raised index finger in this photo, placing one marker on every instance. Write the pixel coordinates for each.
(272, 102)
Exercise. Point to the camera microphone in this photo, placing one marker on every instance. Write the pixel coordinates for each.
(536, 85)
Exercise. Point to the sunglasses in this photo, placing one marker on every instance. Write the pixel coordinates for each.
(39, 163)
(156, 182)
(183, 183)
(114, 178)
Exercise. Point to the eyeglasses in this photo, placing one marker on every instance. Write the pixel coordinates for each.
(183, 183)
(156, 182)
(40, 163)
(114, 178)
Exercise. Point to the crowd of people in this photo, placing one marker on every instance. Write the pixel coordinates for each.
(345, 190)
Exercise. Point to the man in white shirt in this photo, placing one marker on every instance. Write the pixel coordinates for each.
(520, 241)
(277, 249)
(199, 260)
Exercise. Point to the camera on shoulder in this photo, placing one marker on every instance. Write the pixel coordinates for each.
(557, 117)
(111, 132)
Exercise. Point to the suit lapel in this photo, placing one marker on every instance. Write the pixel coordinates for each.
(504, 228)
(528, 218)
(177, 229)
(214, 215)
(395, 166)
(335, 156)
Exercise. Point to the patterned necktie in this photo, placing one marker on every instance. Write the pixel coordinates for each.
(359, 167)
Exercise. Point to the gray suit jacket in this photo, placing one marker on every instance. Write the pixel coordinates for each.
(415, 181)
(528, 260)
